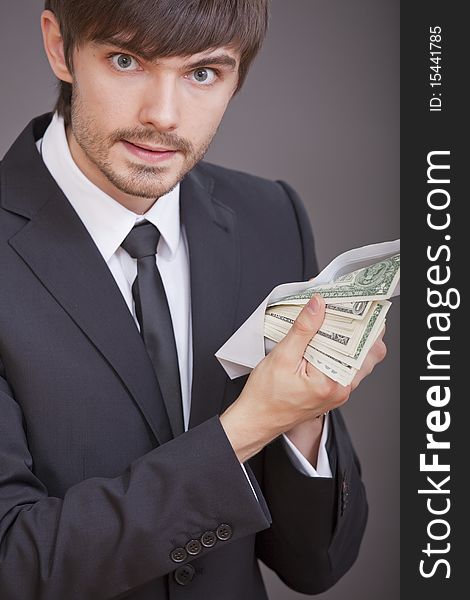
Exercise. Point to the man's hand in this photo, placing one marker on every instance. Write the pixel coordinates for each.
(306, 436)
(285, 390)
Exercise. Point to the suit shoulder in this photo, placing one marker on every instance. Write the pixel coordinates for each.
(238, 188)
(219, 172)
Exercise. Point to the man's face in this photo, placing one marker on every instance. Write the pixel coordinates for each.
(137, 126)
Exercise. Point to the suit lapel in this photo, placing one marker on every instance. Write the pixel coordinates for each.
(62, 255)
(60, 252)
(214, 257)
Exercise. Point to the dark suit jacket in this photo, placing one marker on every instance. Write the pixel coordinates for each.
(95, 495)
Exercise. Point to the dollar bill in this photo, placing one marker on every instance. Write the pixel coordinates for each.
(375, 282)
(352, 323)
(333, 368)
(332, 322)
(342, 348)
(342, 340)
(353, 310)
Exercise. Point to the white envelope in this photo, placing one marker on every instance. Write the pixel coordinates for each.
(248, 346)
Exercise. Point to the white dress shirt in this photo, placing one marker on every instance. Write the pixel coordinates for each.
(108, 223)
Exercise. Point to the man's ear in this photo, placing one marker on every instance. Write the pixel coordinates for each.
(54, 46)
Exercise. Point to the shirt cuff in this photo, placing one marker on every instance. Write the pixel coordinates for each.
(302, 464)
(249, 481)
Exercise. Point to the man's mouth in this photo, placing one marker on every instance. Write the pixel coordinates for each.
(151, 148)
(148, 152)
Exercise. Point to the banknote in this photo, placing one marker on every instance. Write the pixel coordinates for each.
(375, 282)
(353, 310)
(333, 368)
(341, 348)
(343, 340)
(353, 321)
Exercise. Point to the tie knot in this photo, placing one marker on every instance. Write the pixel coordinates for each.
(142, 240)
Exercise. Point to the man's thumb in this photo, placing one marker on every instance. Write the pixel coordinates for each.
(303, 329)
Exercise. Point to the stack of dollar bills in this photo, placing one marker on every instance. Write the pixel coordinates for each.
(356, 306)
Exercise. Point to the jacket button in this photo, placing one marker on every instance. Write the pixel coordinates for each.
(208, 539)
(185, 574)
(193, 547)
(224, 532)
(179, 555)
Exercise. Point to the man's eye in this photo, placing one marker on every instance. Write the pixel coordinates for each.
(204, 75)
(124, 62)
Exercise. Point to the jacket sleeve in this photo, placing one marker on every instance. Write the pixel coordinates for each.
(107, 536)
(317, 523)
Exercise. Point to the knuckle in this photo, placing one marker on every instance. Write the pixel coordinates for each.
(346, 392)
(367, 367)
(278, 357)
(326, 388)
(343, 394)
(382, 350)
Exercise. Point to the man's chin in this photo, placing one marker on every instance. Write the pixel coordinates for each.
(149, 190)
(146, 193)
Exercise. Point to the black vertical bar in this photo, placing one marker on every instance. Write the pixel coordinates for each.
(435, 236)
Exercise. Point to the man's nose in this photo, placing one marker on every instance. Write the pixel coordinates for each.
(160, 105)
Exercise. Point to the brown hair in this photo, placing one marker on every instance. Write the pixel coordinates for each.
(160, 28)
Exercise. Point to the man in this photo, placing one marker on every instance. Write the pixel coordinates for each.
(131, 466)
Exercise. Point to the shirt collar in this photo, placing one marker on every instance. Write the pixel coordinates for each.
(107, 221)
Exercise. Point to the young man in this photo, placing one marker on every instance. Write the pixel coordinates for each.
(132, 467)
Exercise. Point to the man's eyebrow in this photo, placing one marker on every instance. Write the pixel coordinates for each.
(120, 45)
(218, 59)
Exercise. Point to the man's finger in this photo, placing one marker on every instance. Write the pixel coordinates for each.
(375, 355)
(304, 328)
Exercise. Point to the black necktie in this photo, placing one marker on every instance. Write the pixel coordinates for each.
(154, 318)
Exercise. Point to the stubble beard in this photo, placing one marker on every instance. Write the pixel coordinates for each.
(142, 181)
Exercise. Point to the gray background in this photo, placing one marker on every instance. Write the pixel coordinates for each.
(320, 109)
